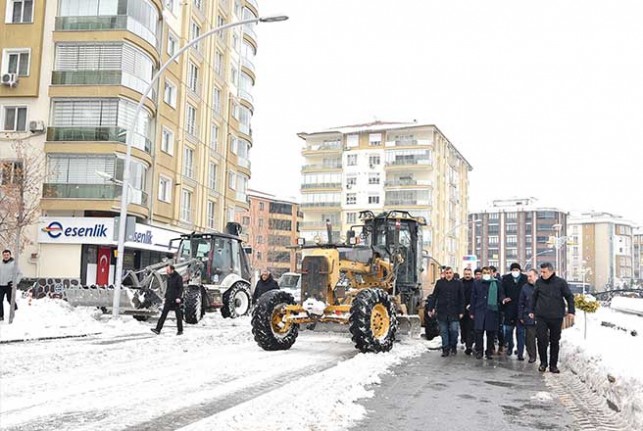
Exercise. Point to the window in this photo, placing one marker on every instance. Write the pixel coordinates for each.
(352, 141)
(351, 181)
(11, 172)
(277, 224)
(260, 206)
(15, 118)
(351, 160)
(375, 139)
(351, 198)
(278, 208)
(259, 239)
(198, 4)
(260, 222)
(351, 218)
(172, 44)
(19, 11)
(493, 240)
(211, 214)
(512, 239)
(218, 62)
(374, 199)
(232, 180)
(195, 31)
(221, 22)
(374, 160)
(186, 205)
(234, 75)
(165, 189)
(214, 137)
(216, 100)
(193, 77)
(374, 178)
(212, 176)
(16, 61)
(167, 141)
(188, 162)
(169, 94)
(190, 120)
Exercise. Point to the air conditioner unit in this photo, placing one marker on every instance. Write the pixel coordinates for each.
(348, 186)
(36, 126)
(10, 79)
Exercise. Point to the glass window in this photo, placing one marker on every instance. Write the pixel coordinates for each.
(373, 199)
(188, 162)
(374, 160)
(212, 176)
(211, 214)
(195, 32)
(21, 11)
(172, 44)
(190, 119)
(214, 137)
(375, 139)
(16, 61)
(165, 189)
(351, 198)
(167, 141)
(218, 62)
(193, 77)
(169, 94)
(351, 160)
(15, 118)
(374, 178)
(216, 100)
(186, 205)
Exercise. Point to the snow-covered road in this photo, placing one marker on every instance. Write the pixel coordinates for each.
(213, 374)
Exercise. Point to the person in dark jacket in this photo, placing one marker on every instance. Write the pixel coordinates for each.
(529, 324)
(548, 307)
(265, 283)
(9, 272)
(500, 333)
(511, 285)
(173, 300)
(447, 302)
(466, 324)
(486, 297)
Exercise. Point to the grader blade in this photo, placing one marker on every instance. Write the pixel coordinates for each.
(409, 325)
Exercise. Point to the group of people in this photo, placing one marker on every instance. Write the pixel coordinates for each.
(9, 272)
(528, 306)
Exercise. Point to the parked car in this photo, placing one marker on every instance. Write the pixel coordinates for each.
(291, 283)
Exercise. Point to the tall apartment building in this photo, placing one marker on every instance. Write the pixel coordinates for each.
(386, 166)
(518, 230)
(73, 72)
(637, 254)
(272, 227)
(603, 249)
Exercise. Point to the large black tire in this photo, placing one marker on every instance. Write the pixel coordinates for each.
(373, 322)
(193, 303)
(237, 301)
(265, 317)
(141, 317)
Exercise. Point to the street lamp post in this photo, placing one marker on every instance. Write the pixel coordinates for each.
(122, 225)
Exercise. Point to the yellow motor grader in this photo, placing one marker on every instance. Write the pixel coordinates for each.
(371, 283)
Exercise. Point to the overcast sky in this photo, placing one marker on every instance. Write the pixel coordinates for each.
(544, 99)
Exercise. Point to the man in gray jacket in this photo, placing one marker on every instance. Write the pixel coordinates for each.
(9, 272)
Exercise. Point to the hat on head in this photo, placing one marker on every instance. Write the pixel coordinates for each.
(514, 266)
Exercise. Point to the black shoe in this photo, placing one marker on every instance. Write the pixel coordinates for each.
(489, 357)
(468, 352)
(520, 358)
(478, 355)
(179, 333)
(156, 331)
(554, 370)
(532, 360)
(1, 318)
(542, 368)
(445, 353)
(454, 351)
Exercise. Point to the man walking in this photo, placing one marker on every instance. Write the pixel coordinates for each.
(548, 307)
(511, 285)
(500, 333)
(265, 284)
(466, 324)
(528, 324)
(486, 297)
(8, 271)
(173, 299)
(448, 300)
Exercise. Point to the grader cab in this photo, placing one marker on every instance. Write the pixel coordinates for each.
(372, 283)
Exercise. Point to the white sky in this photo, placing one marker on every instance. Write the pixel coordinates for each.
(544, 99)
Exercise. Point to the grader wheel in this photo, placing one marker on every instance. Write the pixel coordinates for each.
(373, 322)
(268, 327)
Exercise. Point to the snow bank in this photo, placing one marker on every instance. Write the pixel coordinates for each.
(609, 360)
(628, 305)
(43, 318)
(324, 401)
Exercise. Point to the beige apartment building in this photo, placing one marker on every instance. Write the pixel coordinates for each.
(271, 227)
(603, 250)
(384, 166)
(637, 254)
(72, 73)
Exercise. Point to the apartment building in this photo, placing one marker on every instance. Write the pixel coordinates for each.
(637, 254)
(519, 230)
(72, 74)
(603, 249)
(272, 228)
(384, 166)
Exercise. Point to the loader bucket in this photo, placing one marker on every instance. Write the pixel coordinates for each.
(101, 297)
(409, 325)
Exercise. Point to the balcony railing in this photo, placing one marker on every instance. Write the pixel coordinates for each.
(314, 167)
(241, 197)
(113, 22)
(253, 3)
(320, 204)
(326, 146)
(246, 95)
(91, 192)
(410, 161)
(408, 142)
(99, 134)
(318, 224)
(247, 29)
(405, 202)
(100, 77)
(402, 183)
(247, 63)
(243, 162)
(321, 185)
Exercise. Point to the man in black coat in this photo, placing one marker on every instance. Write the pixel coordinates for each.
(500, 333)
(466, 324)
(511, 285)
(447, 301)
(548, 307)
(265, 284)
(528, 324)
(173, 300)
(486, 299)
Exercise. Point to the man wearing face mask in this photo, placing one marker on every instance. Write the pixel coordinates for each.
(500, 333)
(466, 324)
(529, 324)
(548, 307)
(511, 285)
(486, 297)
(448, 301)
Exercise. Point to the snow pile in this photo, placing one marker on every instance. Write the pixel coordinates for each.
(608, 361)
(44, 318)
(542, 397)
(324, 401)
(628, 305)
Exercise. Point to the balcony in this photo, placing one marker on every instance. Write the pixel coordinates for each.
(322, 167)
(421, 161)
(318, 224)
(100, 77)
(403, 183)
(97, 134)
(406, 202)
(253, 3)
(243, 162)
(113, 22)
(91, 192)
(320, 204)
(245, 62)
(245, 95)
(408, 142)
(324, 147)
(247, 29)
(321, 186)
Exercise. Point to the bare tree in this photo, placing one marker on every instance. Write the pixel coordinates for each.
(20, 189)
